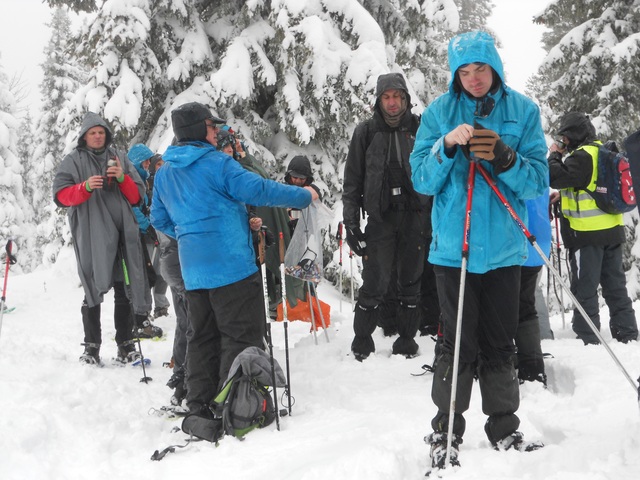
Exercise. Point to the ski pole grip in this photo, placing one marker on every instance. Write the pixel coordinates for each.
(11, 259)
(261, 244)
(281, 246)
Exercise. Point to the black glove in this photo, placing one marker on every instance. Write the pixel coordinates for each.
(356, 240)
(151, 236)
(269, 239)
(487, 145)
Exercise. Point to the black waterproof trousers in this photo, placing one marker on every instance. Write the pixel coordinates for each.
(224, 322)
(530, 360)
(489, 323)
(122, 319)
(595, 265)
(400, 236)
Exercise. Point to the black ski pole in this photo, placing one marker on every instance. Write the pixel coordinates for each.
(556, 214)
(532, 240)
(463, 276)
(268, 341)
(9, 260)
(127, 284)
(285, 319)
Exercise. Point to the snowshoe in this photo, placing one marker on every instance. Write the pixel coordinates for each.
(438, 453)
(517, 442)
(91, 354)
(145, 329)
(127, 353)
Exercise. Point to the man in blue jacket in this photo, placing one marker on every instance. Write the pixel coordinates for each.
(199, 198)
(479, 119)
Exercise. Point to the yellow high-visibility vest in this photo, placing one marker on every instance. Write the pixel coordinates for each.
(580, 208)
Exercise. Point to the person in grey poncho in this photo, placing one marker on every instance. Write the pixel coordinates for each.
(99, 185)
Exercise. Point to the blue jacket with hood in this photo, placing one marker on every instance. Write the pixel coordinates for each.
(495, 239)
(199, 198)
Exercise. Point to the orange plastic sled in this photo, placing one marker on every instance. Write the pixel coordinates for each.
(302, 312)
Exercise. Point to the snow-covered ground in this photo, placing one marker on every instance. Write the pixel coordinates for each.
(351, 421)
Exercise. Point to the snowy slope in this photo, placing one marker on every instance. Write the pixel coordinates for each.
(62, 420)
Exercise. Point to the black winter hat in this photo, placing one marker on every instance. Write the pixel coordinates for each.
(188, 121)
(299, 167)
(577, 127)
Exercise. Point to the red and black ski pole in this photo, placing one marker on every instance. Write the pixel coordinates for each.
(463, 276)
(9, 260)
(532, 240)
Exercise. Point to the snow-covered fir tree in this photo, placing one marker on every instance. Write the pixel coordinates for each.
(15, 208)
(593, 63)
(62, 78)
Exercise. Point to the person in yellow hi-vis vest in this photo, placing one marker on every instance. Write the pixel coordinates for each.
(593, 237)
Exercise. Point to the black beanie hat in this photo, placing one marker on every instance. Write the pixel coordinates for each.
(188, 121)
(299, 167)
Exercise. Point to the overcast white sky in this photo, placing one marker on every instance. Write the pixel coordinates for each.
(23, 36)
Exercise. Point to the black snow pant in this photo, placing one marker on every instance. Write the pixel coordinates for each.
(595, 265)
(489, 323)
(530, 360)
(122, 319)
(224, 322)
(400, 237)
(182, 331)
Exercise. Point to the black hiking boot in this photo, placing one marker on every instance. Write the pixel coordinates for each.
(438, 452)
(127, 352)
(517, 442)
(160, 312)
(91, 354)
(145, 329)
(180, 391)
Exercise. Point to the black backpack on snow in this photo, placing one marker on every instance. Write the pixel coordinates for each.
(244, 403)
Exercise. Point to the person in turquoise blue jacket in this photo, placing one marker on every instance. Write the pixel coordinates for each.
(479, 119)
(141, 155)
(199, 198)
(530, 358)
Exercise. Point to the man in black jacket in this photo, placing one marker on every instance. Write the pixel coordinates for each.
(377, 180)
(593, 237)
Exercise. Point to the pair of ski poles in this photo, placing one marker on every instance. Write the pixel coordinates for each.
(268, 340)
(9, 260)
(474, 165)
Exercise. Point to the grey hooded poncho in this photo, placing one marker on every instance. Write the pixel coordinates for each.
(103, 223)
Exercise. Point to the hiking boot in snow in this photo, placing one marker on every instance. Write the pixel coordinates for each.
(91, 354)
(179, 394)
(360, 356)
(161, 312)
(127, 352)
(517, 442)
(438, 443)
(145, 329)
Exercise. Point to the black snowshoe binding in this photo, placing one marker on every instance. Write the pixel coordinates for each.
(438, 443)
(127, 352)
(145, 329)
(91, 354)
(517, 442)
